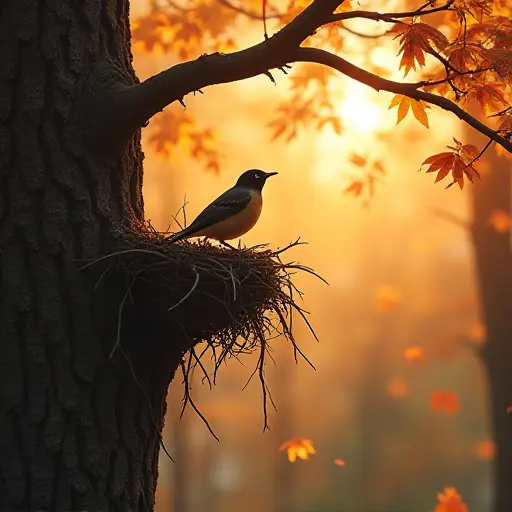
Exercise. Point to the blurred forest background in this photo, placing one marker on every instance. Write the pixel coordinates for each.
(398, 393)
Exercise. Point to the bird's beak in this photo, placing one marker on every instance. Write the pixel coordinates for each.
(268, 174)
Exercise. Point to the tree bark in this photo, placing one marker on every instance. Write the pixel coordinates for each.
(494, 273)
(76, 430)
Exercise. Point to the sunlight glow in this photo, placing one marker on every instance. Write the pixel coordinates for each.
(360, 113)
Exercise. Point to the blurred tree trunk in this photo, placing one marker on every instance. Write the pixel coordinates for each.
(494, 273)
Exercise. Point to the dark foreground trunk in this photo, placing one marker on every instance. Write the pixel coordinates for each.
(76, 431)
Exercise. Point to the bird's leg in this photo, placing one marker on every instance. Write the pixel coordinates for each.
(225, 244)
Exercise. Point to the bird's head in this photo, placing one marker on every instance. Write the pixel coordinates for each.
(254, 178)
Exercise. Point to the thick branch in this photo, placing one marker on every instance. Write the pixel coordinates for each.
(411, 90)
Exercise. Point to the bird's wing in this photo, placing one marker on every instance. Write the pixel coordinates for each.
(230, 203)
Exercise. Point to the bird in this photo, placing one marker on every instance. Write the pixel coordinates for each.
(233, 213)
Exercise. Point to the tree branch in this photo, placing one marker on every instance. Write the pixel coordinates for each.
(318, 56)
(390, 17)
(128, 108)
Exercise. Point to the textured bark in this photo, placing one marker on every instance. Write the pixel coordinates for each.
(494, 272)
(76, 430)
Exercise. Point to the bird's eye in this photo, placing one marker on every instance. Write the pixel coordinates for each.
(257, 175)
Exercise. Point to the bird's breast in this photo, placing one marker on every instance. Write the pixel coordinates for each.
(237, 224)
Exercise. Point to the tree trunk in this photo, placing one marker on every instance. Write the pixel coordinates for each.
(76, 430)
(494, 272)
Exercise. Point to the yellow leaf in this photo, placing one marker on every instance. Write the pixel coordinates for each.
(418, 109)
(298, 447)
(397, 98)
(403, 108)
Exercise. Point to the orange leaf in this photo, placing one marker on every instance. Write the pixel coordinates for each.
(298, 447)
(485, 449)
(450, 501)
(419, 111)
(414, 354)
(339, 462)
(388, 298)
(403, 108)
(500, 221)
(358, 160)
(477, 333)
(355, 188)
(446, 401)
(397, 388)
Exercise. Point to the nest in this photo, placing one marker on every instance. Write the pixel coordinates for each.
(233, 300)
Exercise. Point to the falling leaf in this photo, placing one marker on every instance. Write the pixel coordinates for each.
(477, 333)
(450, 501)
(446, 401)
(397, 388)
(485, 449)
(298, 447)
(355, 188)
(388, 298)
(358, 160)
(500, 221)
(414, 354)
(339, 462)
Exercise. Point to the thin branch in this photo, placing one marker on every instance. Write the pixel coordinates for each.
(390, 17)
(246, 12)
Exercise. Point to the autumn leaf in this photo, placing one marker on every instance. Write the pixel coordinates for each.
(339, 462)
(358, 160)
(298, 447)
(415, 40)
(446, 401)
(404, 103)
(397, 388)
(500, 221)
(490, 96)
(355, 188)
(477, 333)
(414, 354)
(485, 449)
(388, 298)
(459, 161)
(450, 501)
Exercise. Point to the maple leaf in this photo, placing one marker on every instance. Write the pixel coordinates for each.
(500, 220)
(477, 333)
(148, 31)
(414, 354)
(358, 160)
(397, 388)
(446, 401)
(356, 187)
(450, 501)
(388, 298)
(459, 161)
(490, 96)
(485, 449)
(404, 103)
(298, 447)
(415, 40)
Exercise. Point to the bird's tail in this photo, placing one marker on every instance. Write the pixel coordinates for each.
(180, 235)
